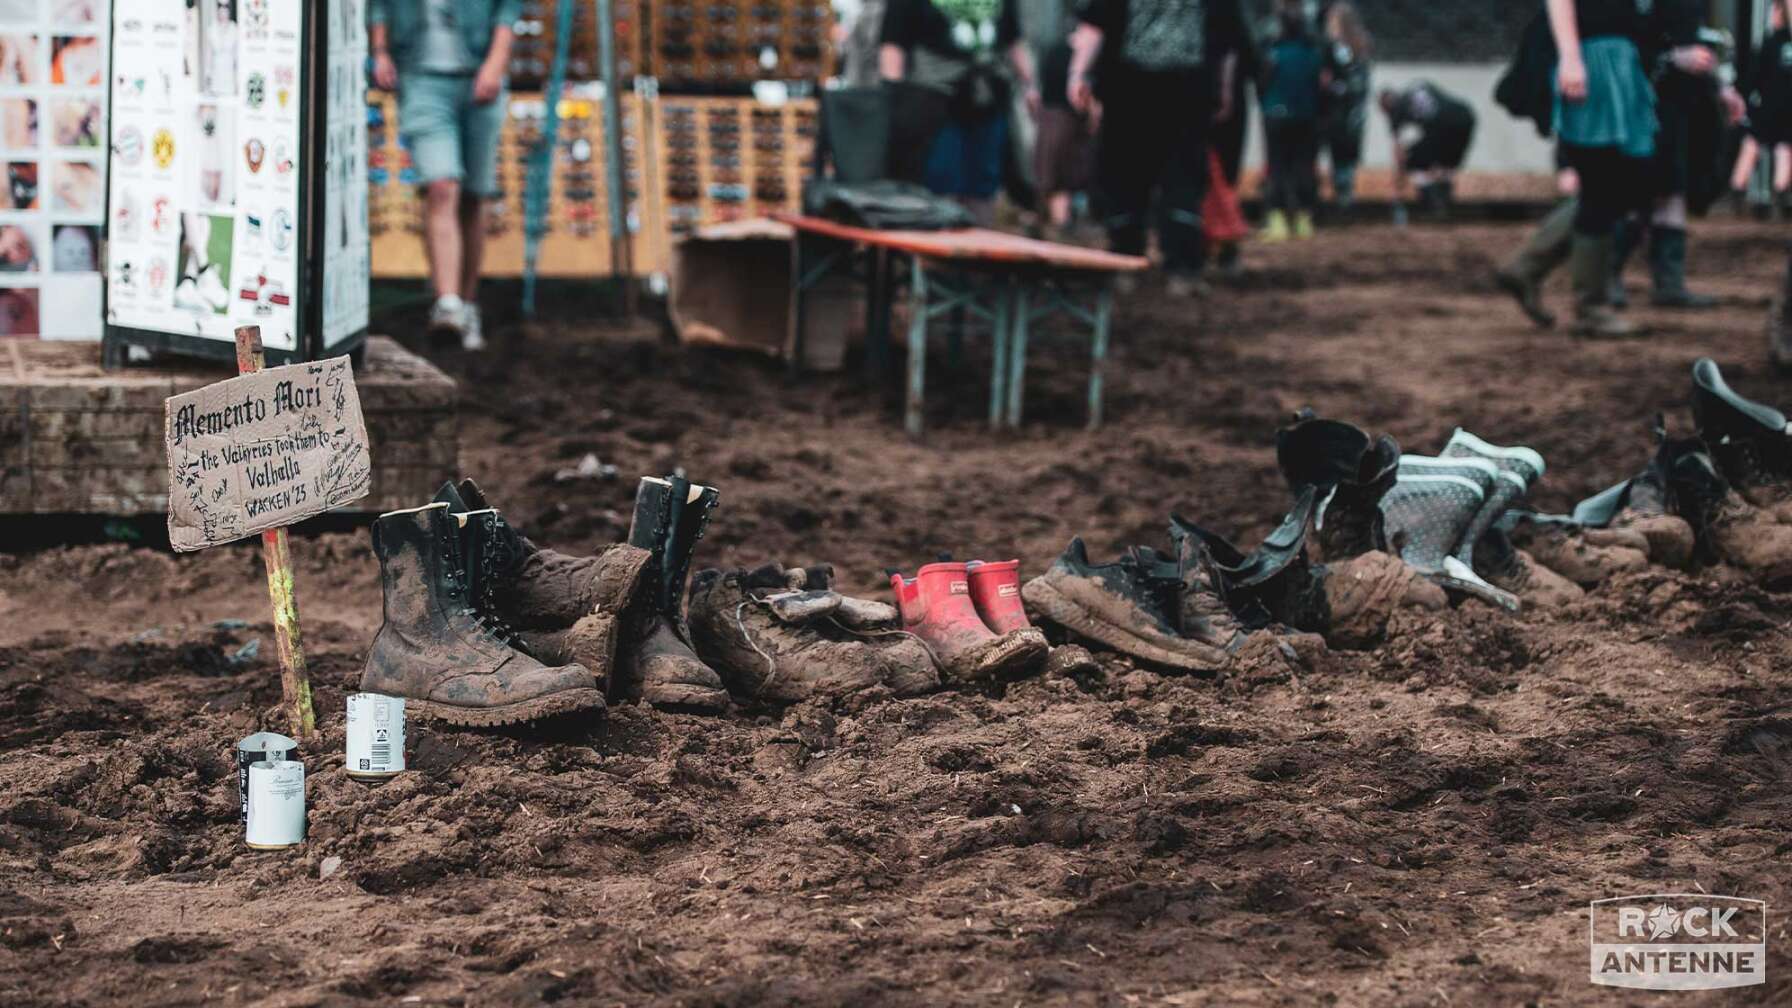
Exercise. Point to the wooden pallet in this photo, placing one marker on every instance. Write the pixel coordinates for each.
(77, 439)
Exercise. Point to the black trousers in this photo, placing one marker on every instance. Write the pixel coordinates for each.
(1612, 186)
(1293, 164)
(1154, 143)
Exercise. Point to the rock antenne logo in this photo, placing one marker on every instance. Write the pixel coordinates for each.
(1677, 941)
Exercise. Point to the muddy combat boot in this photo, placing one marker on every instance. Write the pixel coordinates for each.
(1546, 249)
(1518, 467)
(657, 664)
(1511, 569)
(433, 650)
(1590, 261)
(1667, 266)
(1274, 583)
(1131, 606)
(936, 607)
(1350, 472)
(1779, 325)
(780, 636)
(561, 609)
(1679, 476)
(1430, 509)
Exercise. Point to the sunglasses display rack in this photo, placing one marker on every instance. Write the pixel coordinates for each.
(532, 54)
(723, 159)
(723, 46)
(577, 240)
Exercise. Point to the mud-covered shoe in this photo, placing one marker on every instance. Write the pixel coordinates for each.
(1131, 606)
(657, 664)
(777, 635)
(1430, 509)
(936, 607)
(1583, 555)
(434, 650)
(1519, 467)
(1364, 594)
(1351, 472)
(1511, 569)
(1751, 442)
(1274, 584)
(1666, 503)
(1203, 612)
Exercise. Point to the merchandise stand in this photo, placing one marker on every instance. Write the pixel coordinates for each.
(238, 178)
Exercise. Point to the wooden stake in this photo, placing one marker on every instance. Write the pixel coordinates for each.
(295, 685)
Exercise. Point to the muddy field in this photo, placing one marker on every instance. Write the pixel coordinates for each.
(1418, 825)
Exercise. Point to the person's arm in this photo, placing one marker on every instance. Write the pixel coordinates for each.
(1021, 56)
(892, 62)
(1571, 71)
(490, 78)
(1228, 82)
(1085, 45)
(385, 72)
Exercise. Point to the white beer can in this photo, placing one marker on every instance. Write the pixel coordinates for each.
(375, 736)
(276, 804)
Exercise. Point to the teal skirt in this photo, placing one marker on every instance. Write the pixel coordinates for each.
(1619, 110)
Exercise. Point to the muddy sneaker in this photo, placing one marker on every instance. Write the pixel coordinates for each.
(783, 644)
(1204, 614)
(1750, 442)
(1430, 508)
(1129, 606)
(432, 648)
(1518, 467)
(657, 663)
(936, 607)
(1585, 556)
(1664, 503)
(562, 608)
(447, 319)
(472, 335)
(1351, 472)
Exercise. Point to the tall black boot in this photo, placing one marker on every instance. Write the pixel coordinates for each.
(1546, 249)
(1591, 263)
(1626, 235)
(658, 664)
(1667, 262)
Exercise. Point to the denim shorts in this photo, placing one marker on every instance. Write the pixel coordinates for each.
(450, 136)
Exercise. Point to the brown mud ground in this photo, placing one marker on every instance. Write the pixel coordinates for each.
(1422, 824)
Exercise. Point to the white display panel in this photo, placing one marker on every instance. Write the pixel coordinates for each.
(52, 160)
(347, 251)
(205, 214)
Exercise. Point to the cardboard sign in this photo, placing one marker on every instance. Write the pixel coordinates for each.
(264, 450)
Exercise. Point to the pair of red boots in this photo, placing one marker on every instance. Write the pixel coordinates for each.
(971, 617)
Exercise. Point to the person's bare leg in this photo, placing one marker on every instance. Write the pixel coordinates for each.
(442, 236)
(1745, 164)
(1782, 167)
(472, 243)
(1059, 205)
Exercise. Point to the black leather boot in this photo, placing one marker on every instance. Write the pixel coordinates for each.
(434, 649)
(658, 663)
(1749, 440)
(1351, 473)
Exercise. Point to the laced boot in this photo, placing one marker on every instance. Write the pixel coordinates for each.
(1518, 468)
(1351, 474)
(936, 607)
(657, 663)
(434, 649)
(785, 636)
(1132, 605)
(1511, 569)
(1651, 503)
(1430, 509)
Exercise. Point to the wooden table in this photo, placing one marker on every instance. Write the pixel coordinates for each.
(1010, 281)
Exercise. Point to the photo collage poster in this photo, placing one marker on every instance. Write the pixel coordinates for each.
(206, 157)
(348, 252)
(52, 135)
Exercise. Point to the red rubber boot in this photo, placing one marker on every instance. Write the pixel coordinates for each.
(995, 591)
(936, 607)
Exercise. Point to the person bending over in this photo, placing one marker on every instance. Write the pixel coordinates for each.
(1432, 131)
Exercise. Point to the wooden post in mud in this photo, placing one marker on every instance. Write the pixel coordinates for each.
(295, 685)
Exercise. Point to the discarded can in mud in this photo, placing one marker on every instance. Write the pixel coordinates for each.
(276, 805)
(263, 745)
(375, 736)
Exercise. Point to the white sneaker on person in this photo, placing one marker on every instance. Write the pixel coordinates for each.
(472, 335)
(211, 289)
(448, 317)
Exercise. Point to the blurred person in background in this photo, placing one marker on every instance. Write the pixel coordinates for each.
(447, 60)
(955, 49)
(857, 27)
(1155, 66)
(1347, 97)
(1690, 99)
(1294, 78)
(1432, 131)
(1769, 99)
(1063, 156)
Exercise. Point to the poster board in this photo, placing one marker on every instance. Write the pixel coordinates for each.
(52, 155)
(238, 176)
